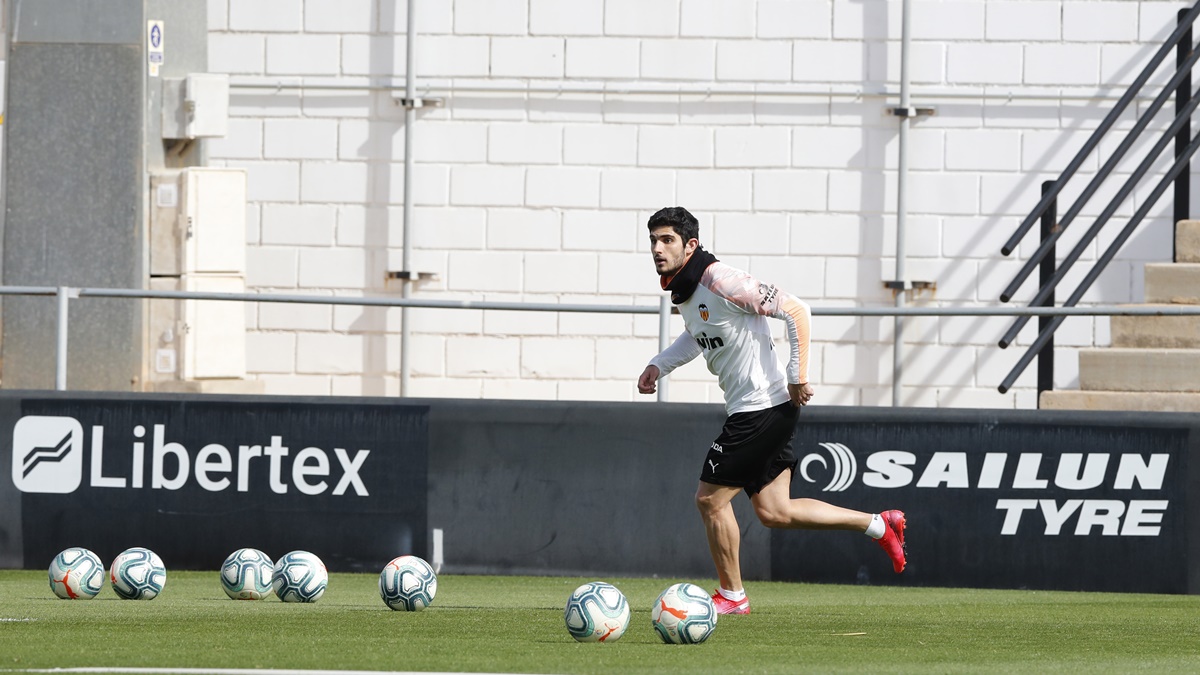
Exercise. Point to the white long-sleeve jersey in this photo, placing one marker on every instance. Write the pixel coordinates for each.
(726, 320)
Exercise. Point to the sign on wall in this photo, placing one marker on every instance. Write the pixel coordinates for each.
(195, 480)
(1033, 502)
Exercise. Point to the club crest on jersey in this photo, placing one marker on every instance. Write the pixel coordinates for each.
(703, 312)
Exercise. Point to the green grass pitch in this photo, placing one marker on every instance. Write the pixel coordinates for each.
(515, 624)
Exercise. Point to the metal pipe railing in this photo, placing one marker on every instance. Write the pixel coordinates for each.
(63, 294)
(1105, 125)
(901, 203)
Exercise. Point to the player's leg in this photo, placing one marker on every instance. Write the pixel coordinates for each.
(715, 503)
(774, 506)
(724, 542)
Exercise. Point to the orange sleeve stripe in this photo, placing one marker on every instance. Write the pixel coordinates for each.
(799, 313)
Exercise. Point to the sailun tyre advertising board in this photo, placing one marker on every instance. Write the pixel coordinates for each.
(1033, 500)
(195, 479)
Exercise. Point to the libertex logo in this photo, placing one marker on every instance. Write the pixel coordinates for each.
(1050, 492)
(48, 457)
(47, 454)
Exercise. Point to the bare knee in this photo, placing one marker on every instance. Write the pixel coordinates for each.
(772, 517)
(709, 504)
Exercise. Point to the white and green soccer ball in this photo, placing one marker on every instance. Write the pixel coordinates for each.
(138, 574)
(76, 574)
(407, 583)
(684, 615)
(299, 576)
(596, 612)
(246, 574)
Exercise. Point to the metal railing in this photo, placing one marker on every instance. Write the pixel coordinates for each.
(1179, 130)
(64, 294)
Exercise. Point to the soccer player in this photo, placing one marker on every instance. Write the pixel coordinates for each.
(725, 314)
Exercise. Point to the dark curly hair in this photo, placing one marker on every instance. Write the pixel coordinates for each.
(678, 219)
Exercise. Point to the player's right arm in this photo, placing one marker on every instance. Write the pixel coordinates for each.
(684, 349)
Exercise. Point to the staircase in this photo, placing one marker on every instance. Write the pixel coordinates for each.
(1154, 361)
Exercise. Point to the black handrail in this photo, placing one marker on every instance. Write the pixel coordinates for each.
(1118, 154)
(1045, 355)
(1093, 274)
(1183, 200)
(1179, 130)
(1102, 220)
(1185, 23)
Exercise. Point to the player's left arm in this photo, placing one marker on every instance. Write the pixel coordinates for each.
(769, 300)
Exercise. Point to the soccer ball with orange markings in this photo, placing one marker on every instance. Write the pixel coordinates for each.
(138, 574)
(407, 583)
(597, 612)
(684, 615)
(76, 574)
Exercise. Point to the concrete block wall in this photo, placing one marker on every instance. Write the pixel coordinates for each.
(542, 196)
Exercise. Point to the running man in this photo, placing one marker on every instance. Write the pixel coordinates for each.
(725, 314)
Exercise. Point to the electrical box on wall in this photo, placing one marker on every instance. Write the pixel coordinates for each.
(198, 222)
(215, 221)
(198, 244)
(196, 106)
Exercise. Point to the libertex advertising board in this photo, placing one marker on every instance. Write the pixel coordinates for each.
(194, 480)
(1035, 500)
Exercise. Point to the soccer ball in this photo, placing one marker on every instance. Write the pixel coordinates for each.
(138, 574)
(597, 612)
(684, 615)
(76, 574)
(300, 577)
(407, 583)
(246, 574)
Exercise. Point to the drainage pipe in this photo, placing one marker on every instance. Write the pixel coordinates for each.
(410, 117)
(901, 203)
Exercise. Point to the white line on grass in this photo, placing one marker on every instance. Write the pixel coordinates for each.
(224, 671)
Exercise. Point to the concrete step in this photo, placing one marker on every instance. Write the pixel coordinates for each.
(1162, 332)
(1138, 401)
(1187, 241)
(1116, 369)
(1173, 283)
(215, 386)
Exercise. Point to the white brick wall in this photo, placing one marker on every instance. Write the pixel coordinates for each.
(266, 15)
(678, 59)
(641, 17)
(580, 17)
(610, 145)
(602, 58)
(303, 55)
(1024, 20)
(236, 53)
(745, 60)
(794, 18)
(339, 16)
(562, 187)
(716, 18)
(527, 57)
(543, 196)
(491, 17)
(525, 144)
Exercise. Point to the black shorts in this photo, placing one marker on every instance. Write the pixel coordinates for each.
(753, 449)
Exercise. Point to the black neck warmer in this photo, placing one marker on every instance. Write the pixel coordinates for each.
(684, 282)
